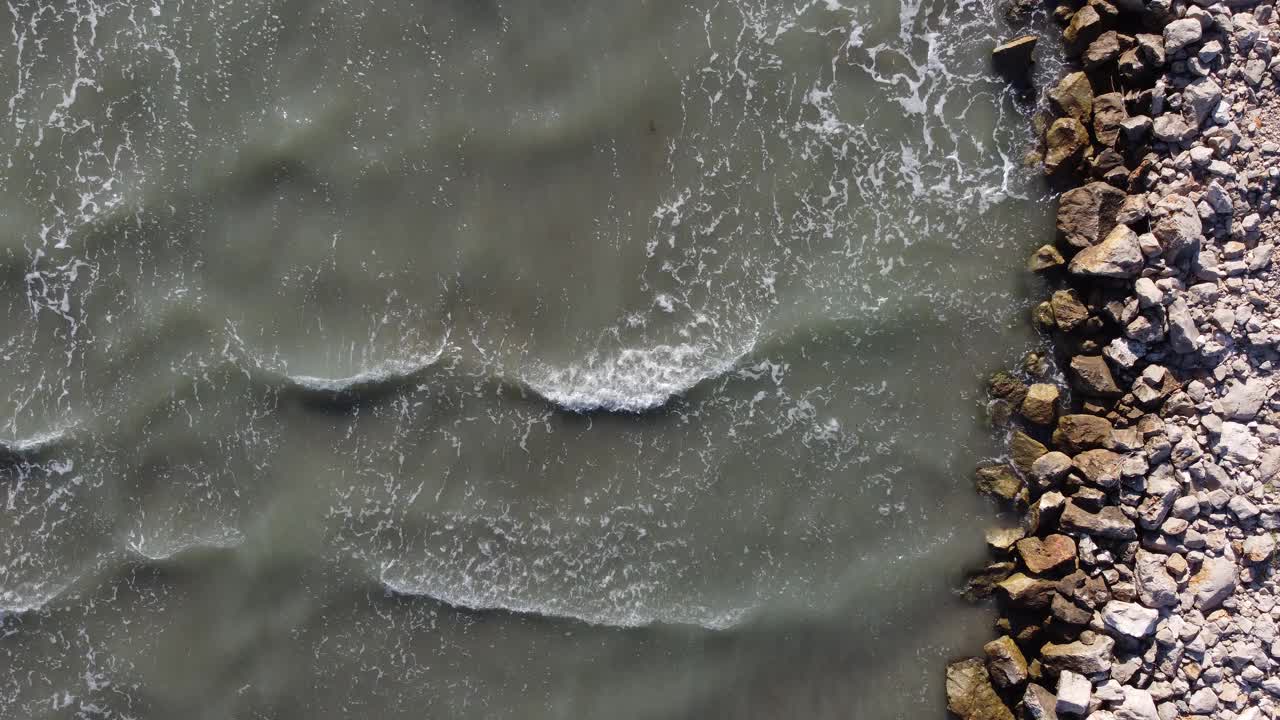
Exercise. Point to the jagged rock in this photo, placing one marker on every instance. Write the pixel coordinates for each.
(1065, 142)
(1085, 26)
(1104, 49)
(1074, 693)
(982, 584)
(1041, 403)
(1050, 556)
(1024, 450)
(1215, 582)
(1156, 588)
(1137, 705)
(1073, 97)
(1005, 662)
(1100, 467)
(1177, 225)
(1068, 311)
(1117, 256)
(1181, 33)
(1077, 433)
(1203, 96)
(1046, 257)
(1007, 387)
(1013, 59)
(1088, 655)
(1038, 704)
(1090, 375)
(1067, 612)
(1184, 337)
(1087, 214)
(1129, 619)
(970, 694)
(1091, 592)
(999, 482)
(1108, 523)
(1108, 114)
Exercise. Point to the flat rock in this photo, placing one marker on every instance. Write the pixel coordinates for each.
(1079, 432)
(1074, 693)
(1024, 450)
(1051, 555)
(1027, 592)
(1117, 256)
(1244, 400)
(1090, 375)
(1013, 59)
(1129, 620)
(1088, 655)
(1137, 705)
(970, 694)
(1237, 443)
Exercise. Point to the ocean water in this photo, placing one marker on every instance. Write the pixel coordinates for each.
(492, 359)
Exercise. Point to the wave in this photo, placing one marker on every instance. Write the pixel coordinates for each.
(635, 380)
(30, 449)
(633, 617)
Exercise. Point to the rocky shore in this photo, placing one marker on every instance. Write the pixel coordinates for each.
(1136, 572)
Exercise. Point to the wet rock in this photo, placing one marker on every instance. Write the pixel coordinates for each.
(1052, 555)
(1068, 311)
(1041, 403)
(1005, 662)
(1087, 214)
(1013, 59)
(970, 694)
(1090, 375)
(983, 583)
(1110, 523)
(1117, 256)
(1024, 450)
(1088, 655)
(998, 482)
(1215, 582)
(1065, 142)
(1007, 387)
(1073, 97)
(1078, 432)
(1046, 257)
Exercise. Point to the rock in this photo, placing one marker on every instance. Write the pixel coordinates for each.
(1117, 256)
(1013, 59)
(1052, 555)
(1074, 693)
(1237, 444)
(1108, 114)
(1091, 592)
(1002, 538)
(1156, 589)
(1038, 704)
(1007, 387)
(1087, 214)
(1068, 311)
(1005, 662)
(1181, 33)
(1109, 523)
(1106, 48)
(1203, 96)
(1077, 433)
(1027, 592)
(1215, 582)
(983, 583)
(1135, 129)
(1137, 705)
(1177, 225)
(1088, 655)
(1218, 199)
(1073, 97)
(1049, 469)
(1085, 26)
(1171, 128)
(1024, 450)
(1244, 400)
(1203, 702)
(1090, 375)
(1045, 258)
(998, 482)
(1065, 143)
(970, 694)
(1099, 467)
(1184, 337)
(1040, 404)
(1259, 548)
(1129, 620)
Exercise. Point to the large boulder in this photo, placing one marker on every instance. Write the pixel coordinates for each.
(1100, 467)
(1090, 375)
(1181, 33)
(1049, 556)
(1109, 523)
(1069, 312)
(1041, 403)
(1108, 113)
(1005, 662)
(1085, 27)
(1022, 591)
(1024, 450)
(1079, 432)
(1073, 97)
(1117, 256)
(999, 482)
(970, 694)
(1012, 59)
(1087, 214)
(1065, 144)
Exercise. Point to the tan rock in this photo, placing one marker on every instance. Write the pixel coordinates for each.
(1068, 311)
(1052, 555)
(1065, 143)
(1077, 433)
(1005, 662)
(1041, 403)
(970, 694)
(1073, 97)
(1024, 450)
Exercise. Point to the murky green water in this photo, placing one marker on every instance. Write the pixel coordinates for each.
(498, 359)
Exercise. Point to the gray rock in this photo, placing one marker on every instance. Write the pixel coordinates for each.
(1237, 444)
(1171, 128)
(1109, 523)
(1038, 704)
(1244, 400)
(1074, 693)
(1181, 33)
(1203, 96)
(1137, 705)
(1183, 335)
(1087, 214)
(1088, 655)
(1129, 620)
(1215, 582)
(1156, 589)
(1177, 225)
